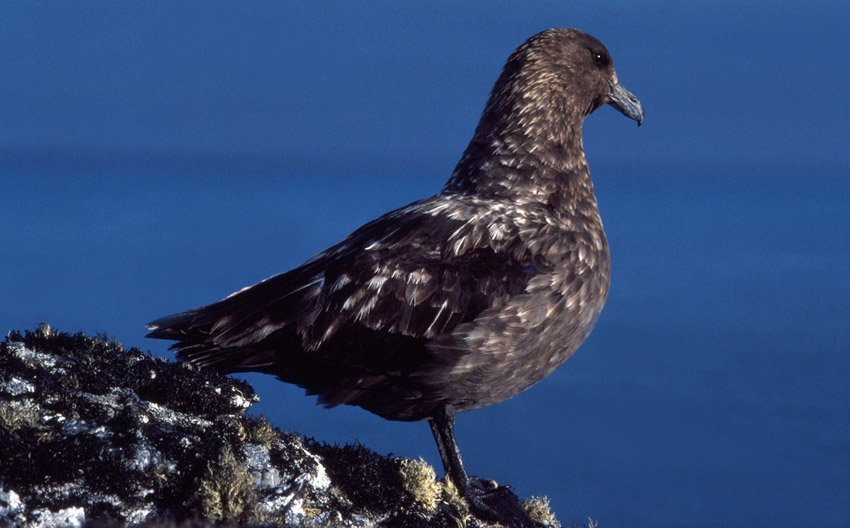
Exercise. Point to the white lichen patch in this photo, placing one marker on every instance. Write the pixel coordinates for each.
(72, 517)
(164, 414)
(145, 457)
(11, 506)
(239, 401)
(319, 481)
(259, 464)
(31, 357)
(13, 512)
(75, 427)
(138, 515)
(16, 386)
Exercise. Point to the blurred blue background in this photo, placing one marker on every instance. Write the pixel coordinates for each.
(157, 156)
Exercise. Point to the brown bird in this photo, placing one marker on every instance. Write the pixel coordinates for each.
(457, 301)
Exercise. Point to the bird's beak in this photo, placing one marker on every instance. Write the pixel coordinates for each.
(626, 102)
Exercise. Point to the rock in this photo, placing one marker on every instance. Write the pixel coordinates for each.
(96, 435)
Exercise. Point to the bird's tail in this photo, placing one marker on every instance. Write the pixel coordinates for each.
(197, 344)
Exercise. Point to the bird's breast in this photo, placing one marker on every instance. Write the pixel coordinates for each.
(515, 344)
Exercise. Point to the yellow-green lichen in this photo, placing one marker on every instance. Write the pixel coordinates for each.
(538, 510)
(260, 431)
(226, 491)
(420, 482)
(458, 509)
(14, 415)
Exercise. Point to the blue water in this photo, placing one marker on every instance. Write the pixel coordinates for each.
(157, 156)
(714, 389)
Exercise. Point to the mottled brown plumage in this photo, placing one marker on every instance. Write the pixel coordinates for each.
(457, 301)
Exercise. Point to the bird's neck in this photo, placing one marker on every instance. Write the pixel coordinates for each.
(541, 162)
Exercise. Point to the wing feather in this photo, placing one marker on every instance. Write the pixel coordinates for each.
(415, 273)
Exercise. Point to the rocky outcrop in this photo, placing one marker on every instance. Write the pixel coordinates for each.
(97, 435)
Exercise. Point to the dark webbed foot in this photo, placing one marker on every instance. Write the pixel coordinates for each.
(495, 503)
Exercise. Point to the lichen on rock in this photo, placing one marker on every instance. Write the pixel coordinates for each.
(98, 435)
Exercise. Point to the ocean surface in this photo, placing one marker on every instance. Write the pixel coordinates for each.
(713, 391)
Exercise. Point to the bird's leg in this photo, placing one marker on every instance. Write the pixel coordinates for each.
(443, 427)
(485, 499)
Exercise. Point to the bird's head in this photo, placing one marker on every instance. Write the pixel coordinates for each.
(560, 74)
(531, 128)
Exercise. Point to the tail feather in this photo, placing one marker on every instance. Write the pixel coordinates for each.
(226, 360)
(176, 326)
(196, 343)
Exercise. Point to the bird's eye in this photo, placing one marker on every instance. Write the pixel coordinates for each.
(599, 59)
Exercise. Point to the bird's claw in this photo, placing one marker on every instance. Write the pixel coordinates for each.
(491, 502)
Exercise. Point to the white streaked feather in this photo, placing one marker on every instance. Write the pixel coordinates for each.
(376, 283)
(436, 318)
(340, 281)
